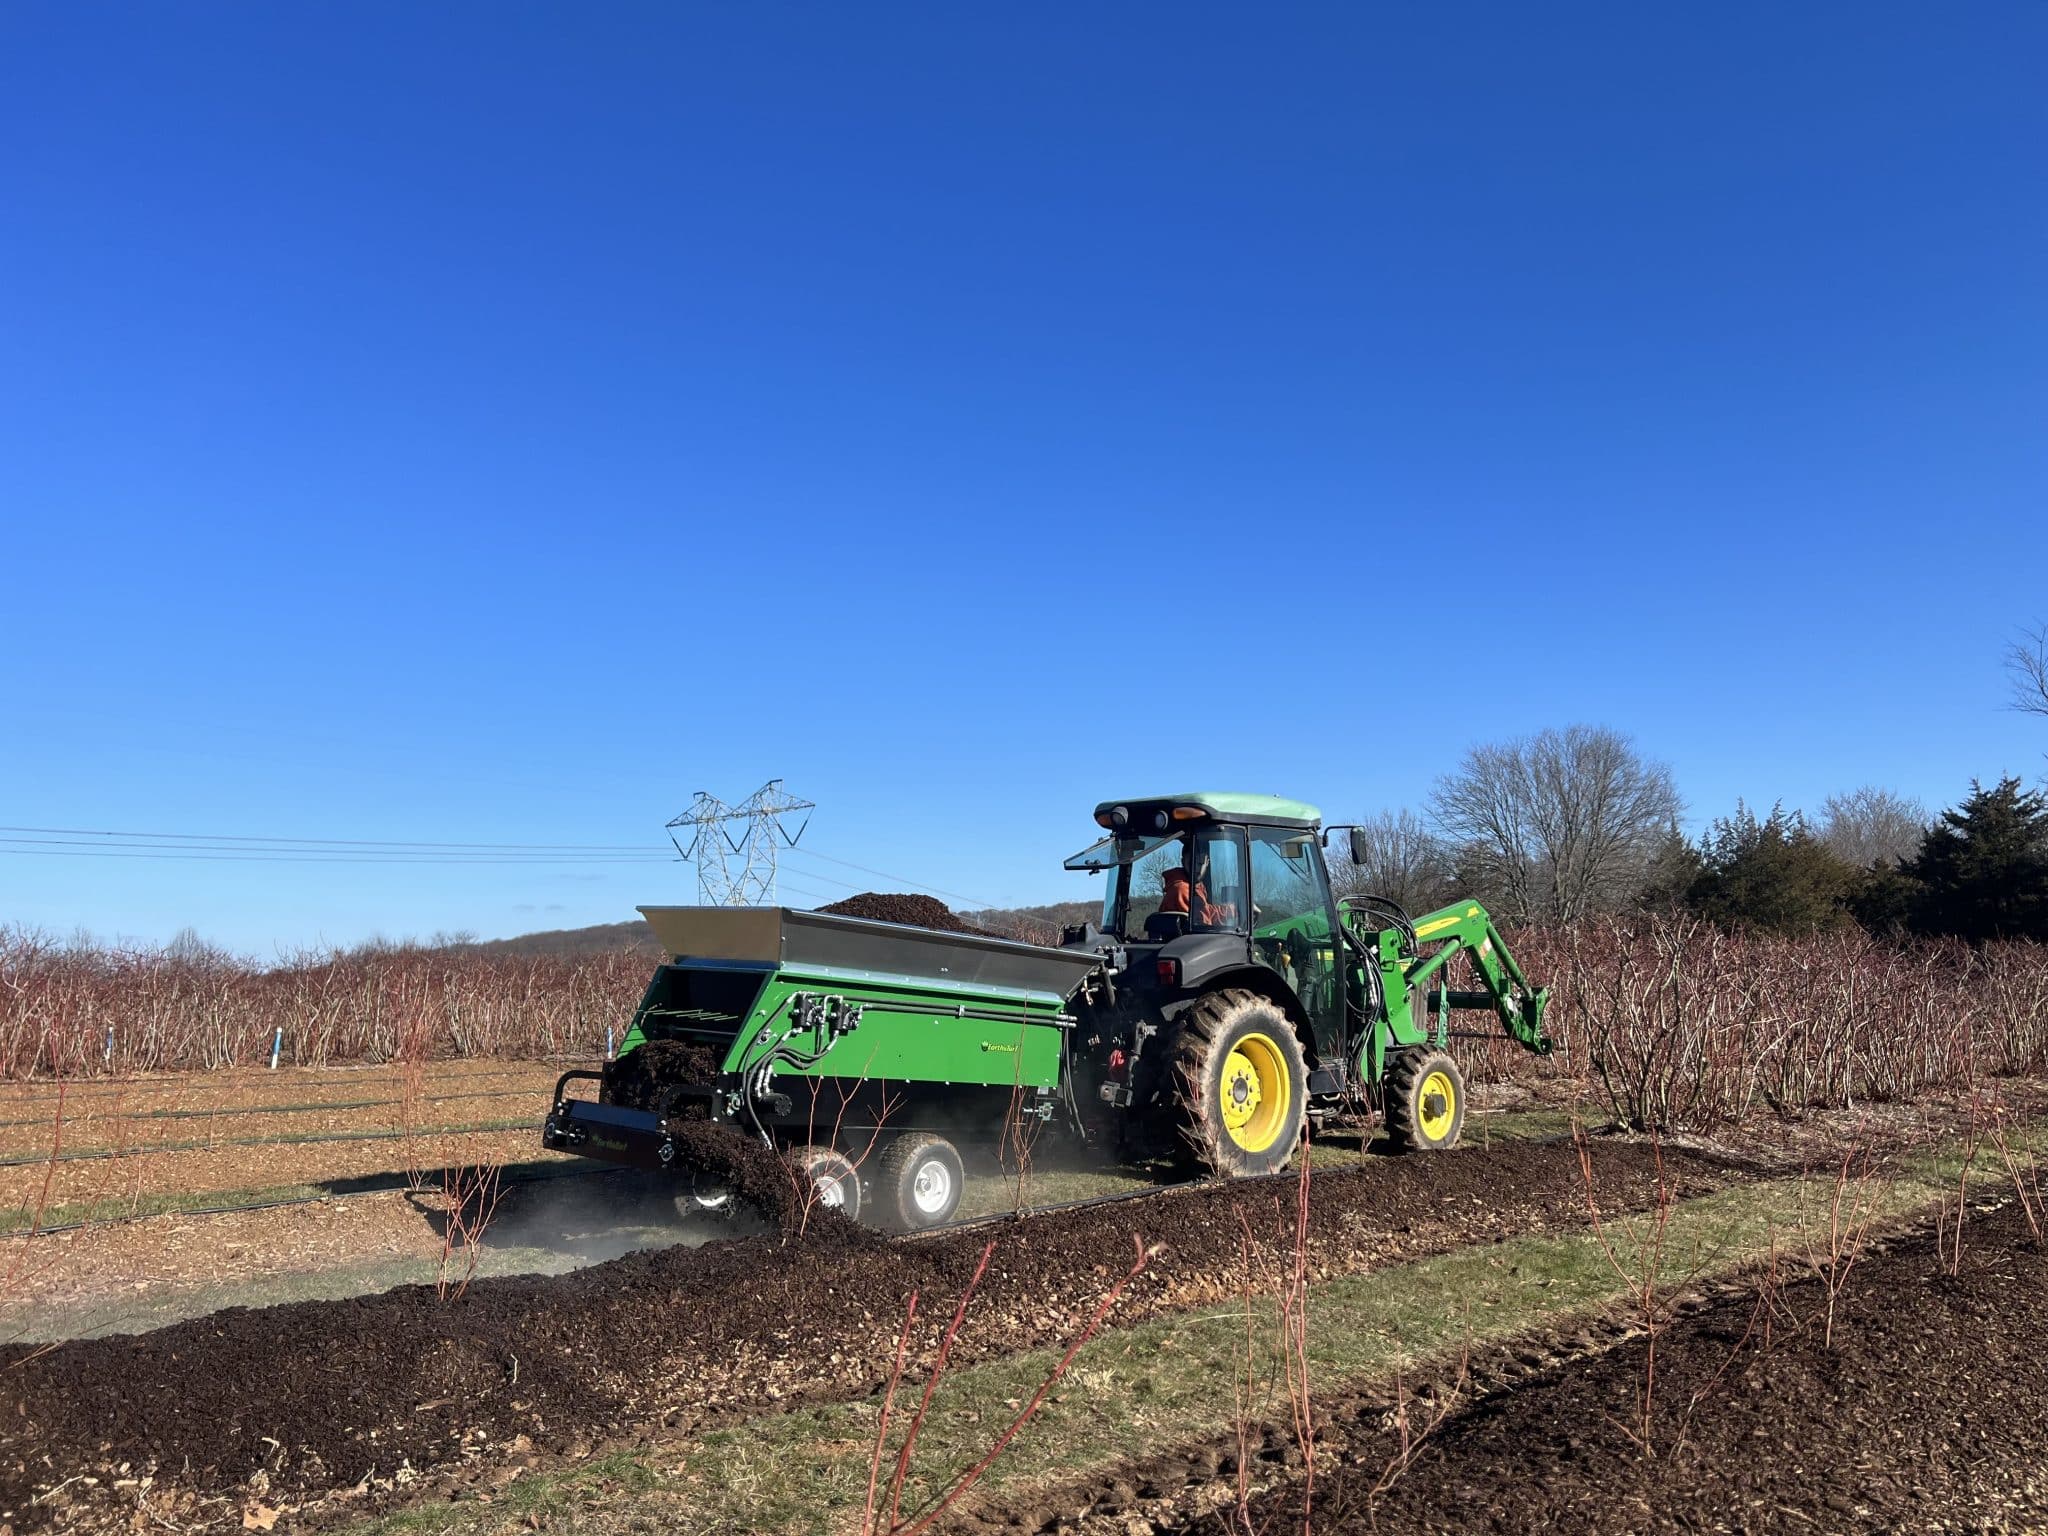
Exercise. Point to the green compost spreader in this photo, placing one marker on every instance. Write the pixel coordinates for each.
(1224, 998)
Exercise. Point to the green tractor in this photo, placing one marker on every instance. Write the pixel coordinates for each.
(1225, 997)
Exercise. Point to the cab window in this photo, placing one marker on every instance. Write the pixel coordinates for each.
(1291, 915)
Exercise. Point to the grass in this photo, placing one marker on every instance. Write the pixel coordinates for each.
(1167, 1381)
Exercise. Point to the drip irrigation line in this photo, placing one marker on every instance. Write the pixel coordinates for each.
(102, 1087)
(102, 1154)
(277, 1109)
(275, 1205)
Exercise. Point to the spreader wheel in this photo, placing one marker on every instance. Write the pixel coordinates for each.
(1239, 1086)
(834, 1179)
(701, 1195)
(1425, 1101)
(917, 1183)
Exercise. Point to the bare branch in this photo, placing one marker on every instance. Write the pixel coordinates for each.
(1559, 824)
(2027, 660)
(1870, 825)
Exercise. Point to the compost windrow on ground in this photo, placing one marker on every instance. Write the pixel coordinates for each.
(1927, 1410)
(318, 1395)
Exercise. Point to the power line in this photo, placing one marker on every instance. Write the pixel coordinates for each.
(883, 874)
(247, 848)
(333, 842)
(650, 855)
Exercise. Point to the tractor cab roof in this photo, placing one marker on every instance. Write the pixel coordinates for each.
(1142, 813)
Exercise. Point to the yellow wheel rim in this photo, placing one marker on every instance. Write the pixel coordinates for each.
(1256, 1092)
(1436, 1105)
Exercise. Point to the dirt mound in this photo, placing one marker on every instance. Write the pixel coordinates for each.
(318, 1395)
(910, 910)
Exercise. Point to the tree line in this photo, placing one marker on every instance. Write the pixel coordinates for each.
(1571, 823)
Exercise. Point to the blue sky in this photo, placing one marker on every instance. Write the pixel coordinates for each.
(493, 424)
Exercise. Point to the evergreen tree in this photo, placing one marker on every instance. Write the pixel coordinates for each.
(1773, 875)
(1982, 873)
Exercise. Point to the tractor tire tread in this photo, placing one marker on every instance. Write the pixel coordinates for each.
(1406, 1068)
(1197, 1146)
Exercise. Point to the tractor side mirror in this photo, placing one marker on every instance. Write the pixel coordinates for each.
(1359, 851)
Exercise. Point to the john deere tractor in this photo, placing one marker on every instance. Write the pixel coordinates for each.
(1224, 998)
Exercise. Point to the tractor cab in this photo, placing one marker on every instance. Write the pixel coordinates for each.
(1204, 884)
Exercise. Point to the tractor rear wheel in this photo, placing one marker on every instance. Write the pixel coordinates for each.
(1425, 1098)
(834, 1181)
(1237, 1086)
(917, 1183)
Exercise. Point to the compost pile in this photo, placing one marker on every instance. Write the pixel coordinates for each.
(911, 911)
(315, 1396)
(644, 1078)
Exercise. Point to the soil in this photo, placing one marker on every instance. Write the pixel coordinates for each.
(315, 1397)
(1928, 1411)
(910, 910)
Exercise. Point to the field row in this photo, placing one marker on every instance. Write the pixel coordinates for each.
(1673, 1022)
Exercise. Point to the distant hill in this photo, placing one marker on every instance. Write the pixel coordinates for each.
(1037, 925)
(599, 939)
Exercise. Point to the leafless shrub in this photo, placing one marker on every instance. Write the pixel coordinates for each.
(2024, 1170)
(1683, 1025)
(1859, 1188)
(1948, 1241)
(1639, 1263)
(894, 1523)
(89, 1010)
(1413, 1428)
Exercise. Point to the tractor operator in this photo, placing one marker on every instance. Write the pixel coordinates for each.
(1181, 894)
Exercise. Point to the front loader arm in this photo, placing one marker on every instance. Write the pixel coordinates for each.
(1407, 966)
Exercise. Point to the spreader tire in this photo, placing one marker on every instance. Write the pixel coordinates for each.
(702, 1197)
(835, 1182)
(1237, 1086)
(1425, 1097)
(917, 1183)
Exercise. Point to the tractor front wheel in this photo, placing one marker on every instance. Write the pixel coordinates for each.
(1237, 1084)
(1425, 1098)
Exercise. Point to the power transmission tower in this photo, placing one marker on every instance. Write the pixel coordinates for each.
(735, 847)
